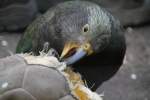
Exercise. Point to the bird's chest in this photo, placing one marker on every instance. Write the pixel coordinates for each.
(108, 57)
(97, 68)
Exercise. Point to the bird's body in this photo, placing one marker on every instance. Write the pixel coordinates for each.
(102, 66)
(78, 23)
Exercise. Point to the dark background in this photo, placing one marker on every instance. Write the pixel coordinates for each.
(132, 82)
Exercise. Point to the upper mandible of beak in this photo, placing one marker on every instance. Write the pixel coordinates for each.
(69, 46)
(80, 50)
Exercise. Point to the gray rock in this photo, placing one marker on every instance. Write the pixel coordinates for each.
(16, 14)
(22, 81)
(43, 5)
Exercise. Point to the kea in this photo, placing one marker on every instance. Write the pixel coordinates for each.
(86, 36)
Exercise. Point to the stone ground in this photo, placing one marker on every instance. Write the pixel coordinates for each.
(132, 82)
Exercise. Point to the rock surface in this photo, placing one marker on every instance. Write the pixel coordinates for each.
(18, 14)
(133, 79)
(20, 80)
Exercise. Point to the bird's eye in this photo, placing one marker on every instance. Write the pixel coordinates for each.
(86, 46)
(86, 28)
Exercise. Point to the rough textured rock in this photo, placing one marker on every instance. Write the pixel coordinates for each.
(43, 5)
(22, 81)
(133, 79)
(28, 77)
(130, 12)
(16, 14)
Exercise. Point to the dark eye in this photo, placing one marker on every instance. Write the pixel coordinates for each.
(86, 28)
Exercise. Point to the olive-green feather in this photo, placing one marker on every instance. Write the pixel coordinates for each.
(25, 44)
